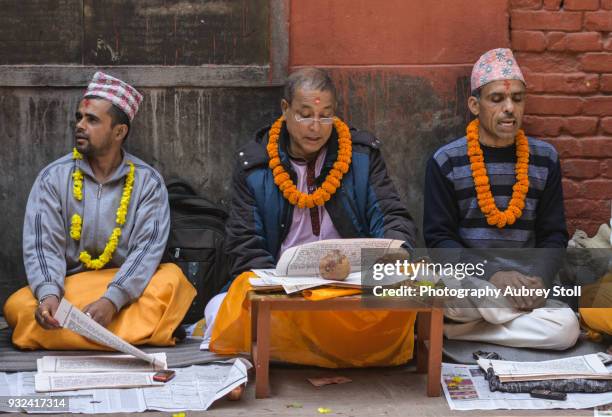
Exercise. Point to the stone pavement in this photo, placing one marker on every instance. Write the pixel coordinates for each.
(374, 392)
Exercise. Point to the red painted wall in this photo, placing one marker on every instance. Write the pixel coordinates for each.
(402, 68)
(395, 32)
(389, 56)
(565, 50)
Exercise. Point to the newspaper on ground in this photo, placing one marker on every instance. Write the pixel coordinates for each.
(74, 319)
(193, 388)
(66, 373)
(79, 381)
(97, 363)
(465, 388)
(586, 366)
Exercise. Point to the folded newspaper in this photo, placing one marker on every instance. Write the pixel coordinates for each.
(577, 367)
(298, 267)
(60, 373)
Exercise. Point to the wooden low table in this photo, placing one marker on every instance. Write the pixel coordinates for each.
(429, 324)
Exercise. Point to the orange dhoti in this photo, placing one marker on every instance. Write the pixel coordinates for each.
(151, 319)
(596, 305)
(330, 339)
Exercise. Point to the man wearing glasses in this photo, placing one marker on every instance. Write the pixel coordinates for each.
(306, 178)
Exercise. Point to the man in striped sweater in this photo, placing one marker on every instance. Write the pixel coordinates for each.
(496, 188)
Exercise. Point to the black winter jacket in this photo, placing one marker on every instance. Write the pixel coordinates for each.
(366, 204)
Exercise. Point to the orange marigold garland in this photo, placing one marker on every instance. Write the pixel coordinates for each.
(486, 202)
(333, 179)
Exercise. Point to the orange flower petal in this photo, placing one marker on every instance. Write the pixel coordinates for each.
(328, 187)
(333, 181)
(324, 194)
(302, 200)
(281, 178)
(293, 198)
(274, 162)
(477, 165)
(310, 202)
(341, 166)
(318, 199)
(285, 185)
(335, 173)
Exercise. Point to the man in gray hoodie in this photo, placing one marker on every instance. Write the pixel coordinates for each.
(94, 209)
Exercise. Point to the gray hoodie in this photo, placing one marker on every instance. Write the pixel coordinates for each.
(50, 254)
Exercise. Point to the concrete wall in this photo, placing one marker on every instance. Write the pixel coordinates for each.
(212, 76)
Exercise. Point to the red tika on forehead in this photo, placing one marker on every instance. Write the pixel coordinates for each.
(317, 100)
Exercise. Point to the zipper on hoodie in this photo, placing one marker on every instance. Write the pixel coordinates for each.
(98, 196)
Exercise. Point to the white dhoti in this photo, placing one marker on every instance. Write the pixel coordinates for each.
(210, 314)
(554, 326)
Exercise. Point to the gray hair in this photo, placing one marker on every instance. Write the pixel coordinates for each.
(310, 79)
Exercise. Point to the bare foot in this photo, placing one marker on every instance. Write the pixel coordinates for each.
(235, 394)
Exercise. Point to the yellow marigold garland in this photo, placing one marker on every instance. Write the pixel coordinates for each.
(75, 227)
(333, 179)
(486, 202)
(77, 221)
(77, 184)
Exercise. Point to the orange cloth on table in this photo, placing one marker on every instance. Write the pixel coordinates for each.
(597, 311)
(327, 293)
(151, 319)
(330, 339)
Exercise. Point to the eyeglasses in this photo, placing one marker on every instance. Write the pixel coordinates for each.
(311, 120)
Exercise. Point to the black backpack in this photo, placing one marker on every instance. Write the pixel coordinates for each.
(195, 244)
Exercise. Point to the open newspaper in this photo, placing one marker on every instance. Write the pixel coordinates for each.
(587, 366)
(465, 388)
(74, 319)
(61, 373)
(298, 267)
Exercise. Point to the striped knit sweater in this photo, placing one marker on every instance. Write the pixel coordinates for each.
(452, 217)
